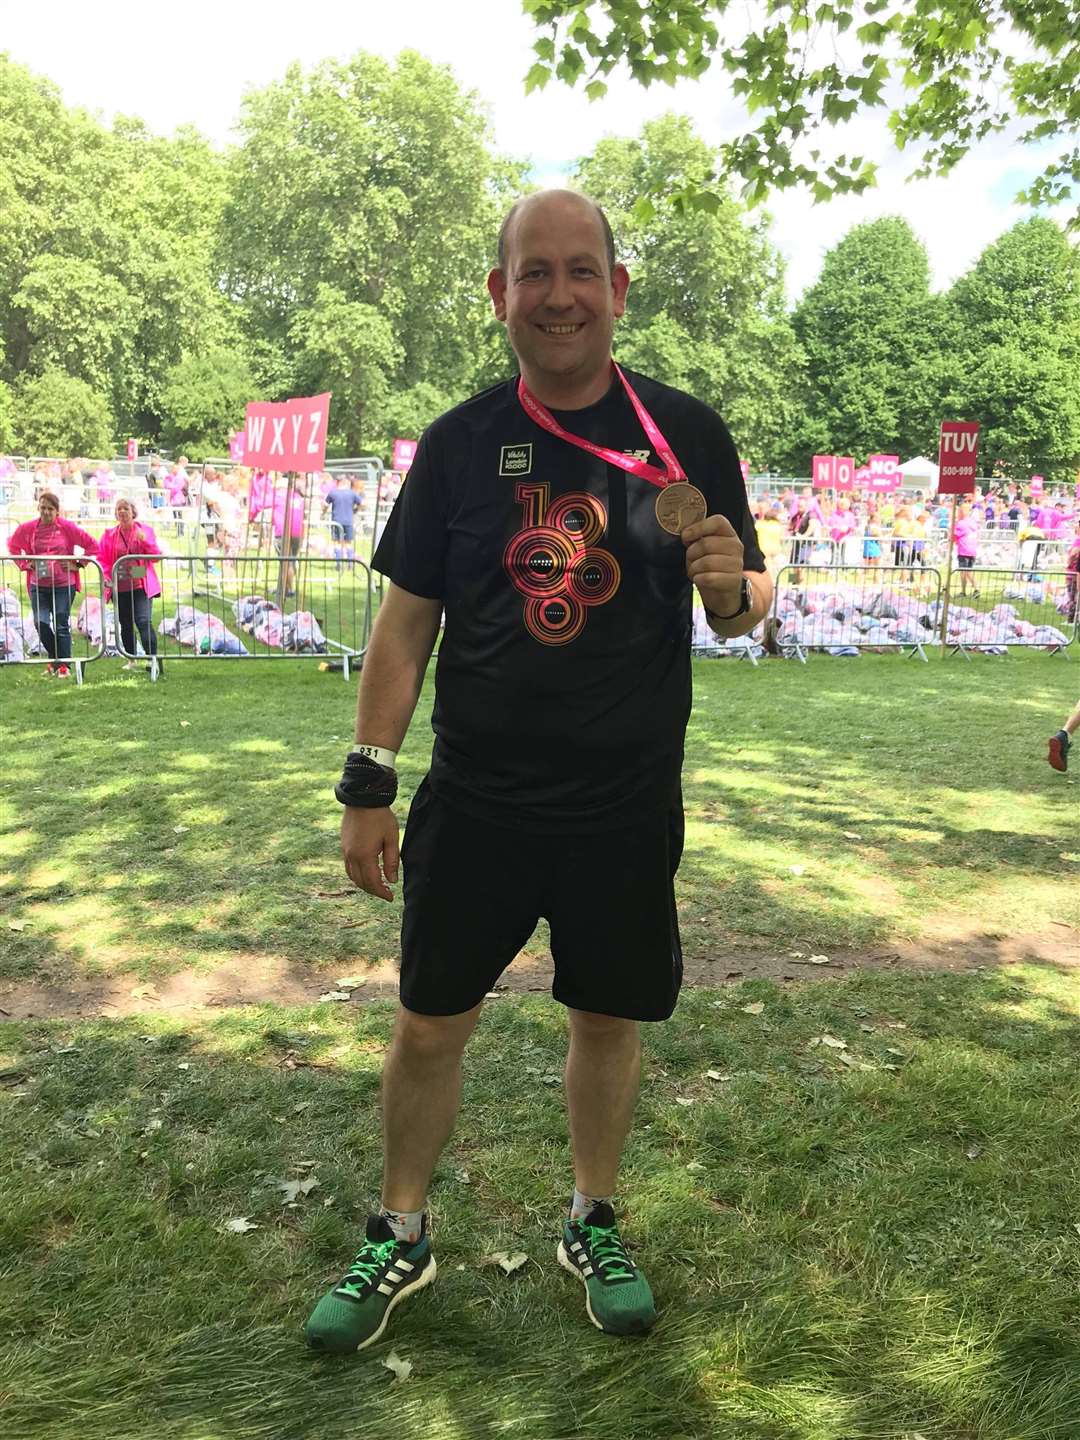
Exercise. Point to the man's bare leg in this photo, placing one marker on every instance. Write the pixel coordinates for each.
(603, 1070)
(421, 1090)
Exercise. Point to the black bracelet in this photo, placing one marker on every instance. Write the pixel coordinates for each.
(366, 784)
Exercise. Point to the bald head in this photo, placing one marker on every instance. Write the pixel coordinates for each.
(556, 199)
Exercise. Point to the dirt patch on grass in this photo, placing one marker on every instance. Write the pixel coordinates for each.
(258, 980)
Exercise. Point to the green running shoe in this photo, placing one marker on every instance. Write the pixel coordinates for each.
(617, 1295)
(385, 1271)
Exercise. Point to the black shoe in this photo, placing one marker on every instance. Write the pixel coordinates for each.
(1058, 751)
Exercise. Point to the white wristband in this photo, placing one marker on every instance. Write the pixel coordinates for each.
(377, 753)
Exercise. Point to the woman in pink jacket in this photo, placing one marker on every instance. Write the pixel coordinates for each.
(51, 582)
(133, 582)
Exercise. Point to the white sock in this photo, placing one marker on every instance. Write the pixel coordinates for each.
(406, 1224)
(582, 1205)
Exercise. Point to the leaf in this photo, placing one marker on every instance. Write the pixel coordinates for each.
(334, 995)
(352, 982)
(402, 1368)
(756, 1008)
(847, 1059)
(507, 1263)
(695, 1167)
(290, 1189)
(684, 1100)
(850, 835)
(180, 829)
(819, 960)
(184, 724)
(833, 1043)
(240, 1226)
(716, 1075)
(16, 925)
(798, 869)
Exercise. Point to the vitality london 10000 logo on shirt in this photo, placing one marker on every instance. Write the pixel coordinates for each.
(555, 563)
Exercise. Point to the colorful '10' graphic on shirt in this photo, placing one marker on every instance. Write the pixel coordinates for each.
(554, 562)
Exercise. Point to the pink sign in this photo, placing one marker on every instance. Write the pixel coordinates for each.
(844, 473)
(133, 449)
(1036, 484)
(287, 435)
(958, 457)
(236, 447)
(404, 454)
(884, 472)
(824, 469)
(744, 466)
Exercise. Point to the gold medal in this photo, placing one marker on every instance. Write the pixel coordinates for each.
(678, 506)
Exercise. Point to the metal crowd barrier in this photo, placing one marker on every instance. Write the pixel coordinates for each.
(993, 611)
(37, 625)
(855, 607)
(705, 644)
(247, 607)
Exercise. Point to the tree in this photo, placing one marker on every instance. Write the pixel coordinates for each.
(706, 310)
(204, 397)
(368, 184)
(801, 65)
(58, 415)
(871, 334)
(106, 240)
(349, 348)
(7, 420)
(1015, 319)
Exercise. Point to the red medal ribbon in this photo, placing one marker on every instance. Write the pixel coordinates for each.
(672, 472)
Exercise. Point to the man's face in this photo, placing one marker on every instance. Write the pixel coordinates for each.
(556, 296)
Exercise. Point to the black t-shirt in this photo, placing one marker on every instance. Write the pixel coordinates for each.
(562, 686)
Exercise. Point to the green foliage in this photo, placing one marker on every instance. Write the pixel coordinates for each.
(57, 414)
(706, 310)
(364, 195)
(204, 398)
(350, 348)
(408, 413)
(7, 419)
(870, 332)
(105, 248)
(968, 82)
(1015, 324)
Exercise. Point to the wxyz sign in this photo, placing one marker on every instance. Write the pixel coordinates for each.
(958, 457)
(289, 435)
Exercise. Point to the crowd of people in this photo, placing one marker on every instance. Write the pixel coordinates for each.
(223, 503)
(796, 528)
(909, 533)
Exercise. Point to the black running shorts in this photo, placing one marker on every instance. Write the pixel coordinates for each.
(473, 892)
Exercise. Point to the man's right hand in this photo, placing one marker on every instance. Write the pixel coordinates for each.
(365, 836)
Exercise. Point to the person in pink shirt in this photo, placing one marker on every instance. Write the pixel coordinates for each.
(51, 581)
(134, 583)
(967, 545)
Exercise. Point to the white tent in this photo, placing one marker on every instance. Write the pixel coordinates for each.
(921, 470)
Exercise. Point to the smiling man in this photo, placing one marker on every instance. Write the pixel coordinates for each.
(559, 520)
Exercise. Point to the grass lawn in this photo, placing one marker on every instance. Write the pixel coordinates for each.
(874, 1239)
(148, 829)
(840, 1251)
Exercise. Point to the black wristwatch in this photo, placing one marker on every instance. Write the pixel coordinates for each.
(746, 603)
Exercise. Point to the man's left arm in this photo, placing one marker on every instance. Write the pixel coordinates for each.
(715, 563)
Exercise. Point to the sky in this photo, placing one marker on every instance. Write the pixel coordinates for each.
(191, 63)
